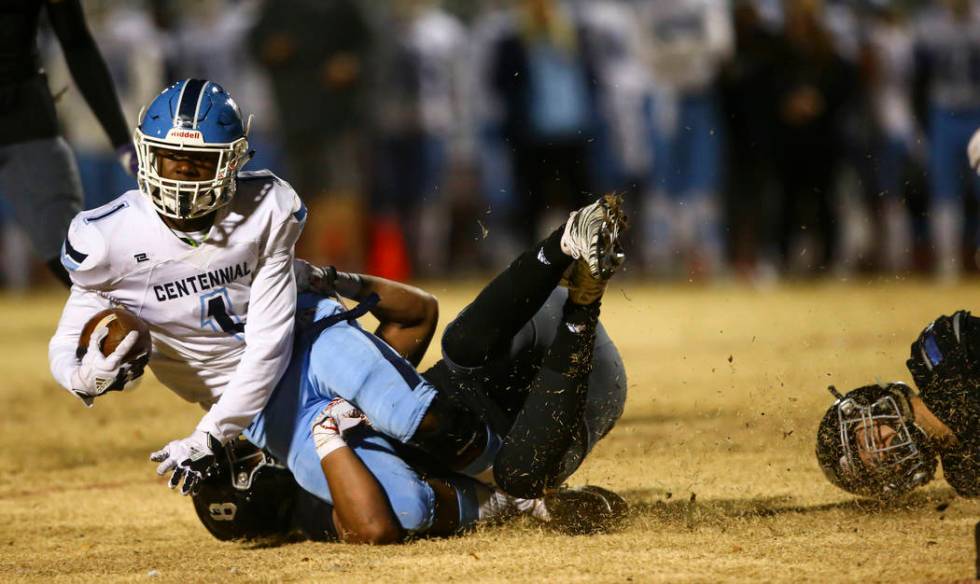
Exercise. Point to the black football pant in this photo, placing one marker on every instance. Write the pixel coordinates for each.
(540, 371)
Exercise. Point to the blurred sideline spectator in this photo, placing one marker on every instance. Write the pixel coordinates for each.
(620, 153)
(318, 56)
(543, 77)
(687, 41)
(213, 37)
(812, 86)
(948, 92)
(421, 114)
(748, 82)
(778, 138)
(895, 146)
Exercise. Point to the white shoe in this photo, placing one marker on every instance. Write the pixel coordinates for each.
(592, 235)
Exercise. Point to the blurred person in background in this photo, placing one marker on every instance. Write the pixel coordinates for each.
(812, 86)
(541, 73)
(212, 37)
(748, 84)
(485, 118)
(947, 96)
(317, 54)
(421, 99)
(620, 153)
(687, 41)
(130, 44)
(889, 44)
(38, 174)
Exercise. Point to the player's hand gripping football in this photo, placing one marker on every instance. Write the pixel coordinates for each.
(97, 374)
(339, 417)
(192, 460)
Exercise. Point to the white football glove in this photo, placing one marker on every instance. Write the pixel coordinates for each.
(190, 458)
(332, 423)
(98, 374)
(308, 276)
(326, 281)
(973, 151)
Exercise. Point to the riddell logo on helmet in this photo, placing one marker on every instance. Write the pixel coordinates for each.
(186, 134)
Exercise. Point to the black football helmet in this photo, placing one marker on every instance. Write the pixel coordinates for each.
(248, 495)
(853, 456)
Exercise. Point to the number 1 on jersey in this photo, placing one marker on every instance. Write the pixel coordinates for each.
(216, 312)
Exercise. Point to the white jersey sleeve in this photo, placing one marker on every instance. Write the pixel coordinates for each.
(269, 333)
(83, 255)
(81, 305)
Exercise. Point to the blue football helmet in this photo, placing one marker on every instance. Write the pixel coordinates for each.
(191, 116)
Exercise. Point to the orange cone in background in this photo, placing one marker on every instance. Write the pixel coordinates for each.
(387, 256)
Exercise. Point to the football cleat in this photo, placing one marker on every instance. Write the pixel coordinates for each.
(592, 235)
(585, 510)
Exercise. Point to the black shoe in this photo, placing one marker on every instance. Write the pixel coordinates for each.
(585, 510)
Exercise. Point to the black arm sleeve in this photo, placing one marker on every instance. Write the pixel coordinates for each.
(88, 68)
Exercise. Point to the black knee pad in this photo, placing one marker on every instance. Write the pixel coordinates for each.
(462, 347)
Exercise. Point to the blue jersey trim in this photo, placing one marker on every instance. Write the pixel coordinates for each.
(932, 349)
(300, 215)
(118, 207)
(190, 98)
(73, 253)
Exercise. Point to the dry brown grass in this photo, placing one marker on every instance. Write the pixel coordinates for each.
(714, 452)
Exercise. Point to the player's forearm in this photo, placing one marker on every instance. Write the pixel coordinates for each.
(265, 360)
(407, 315)
(81, 305)
(61, 358)
(362, 512)
(268, 348)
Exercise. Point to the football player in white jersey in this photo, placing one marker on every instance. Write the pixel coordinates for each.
(197, 252)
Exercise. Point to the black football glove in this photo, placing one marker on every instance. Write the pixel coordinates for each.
(946, 351)
(945, 363)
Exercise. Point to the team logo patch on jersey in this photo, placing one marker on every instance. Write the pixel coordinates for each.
(200, 282)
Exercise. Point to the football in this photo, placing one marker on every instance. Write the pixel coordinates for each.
(120, 322)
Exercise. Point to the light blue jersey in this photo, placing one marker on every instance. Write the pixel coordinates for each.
(346, 361)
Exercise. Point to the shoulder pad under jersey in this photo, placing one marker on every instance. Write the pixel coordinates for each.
(85, 252)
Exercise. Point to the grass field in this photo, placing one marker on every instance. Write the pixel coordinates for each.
(714, 453)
